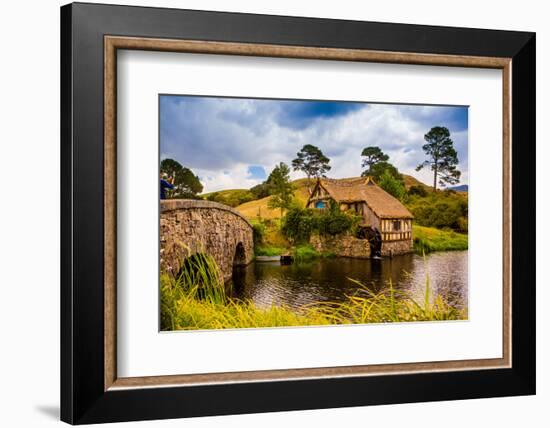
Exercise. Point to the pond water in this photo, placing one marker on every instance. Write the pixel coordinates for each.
(328, 279)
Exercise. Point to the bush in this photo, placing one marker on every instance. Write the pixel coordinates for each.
(418, 190)
(440, 209)
(260, 191)
(334, 223)
(259, 230)
(299, 224)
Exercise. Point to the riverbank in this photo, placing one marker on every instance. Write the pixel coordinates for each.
(428, 240)
(425, 240)
(186, 305)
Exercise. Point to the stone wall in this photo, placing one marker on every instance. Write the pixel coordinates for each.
(394, 248)
(342, 245)
(189, 226)
(349, 246)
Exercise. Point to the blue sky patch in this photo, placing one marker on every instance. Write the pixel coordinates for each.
(257, 172)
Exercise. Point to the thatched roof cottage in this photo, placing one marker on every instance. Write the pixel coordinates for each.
(383, 214)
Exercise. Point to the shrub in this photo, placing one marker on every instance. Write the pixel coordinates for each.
(298, 224)
(334, 223)
(259, 230)
(261, 190)
(418, 190)
(440, 209)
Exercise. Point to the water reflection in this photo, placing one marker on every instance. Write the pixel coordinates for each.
(300, 284)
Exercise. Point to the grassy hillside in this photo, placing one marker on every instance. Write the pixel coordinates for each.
(441, 209)
(231, 197)
(428, 239)
(259, 208)
(409, 181)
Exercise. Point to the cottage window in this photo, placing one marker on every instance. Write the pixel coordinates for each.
(320, 204)
(396, 225)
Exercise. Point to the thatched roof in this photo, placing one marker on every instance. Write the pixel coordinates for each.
(364, 189)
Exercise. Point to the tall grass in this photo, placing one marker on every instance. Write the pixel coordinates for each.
(193, 300)
(199, 279)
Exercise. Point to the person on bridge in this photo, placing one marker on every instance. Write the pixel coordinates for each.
(165, 183)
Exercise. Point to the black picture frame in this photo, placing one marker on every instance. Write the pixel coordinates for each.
(83, 398)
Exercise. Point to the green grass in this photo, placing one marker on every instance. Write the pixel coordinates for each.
(305, 252)
(195, 301)
(428, 239)
(269, 251)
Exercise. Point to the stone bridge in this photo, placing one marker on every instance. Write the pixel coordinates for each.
(193, 226)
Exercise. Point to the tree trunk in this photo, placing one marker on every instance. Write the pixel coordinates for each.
(435, 175)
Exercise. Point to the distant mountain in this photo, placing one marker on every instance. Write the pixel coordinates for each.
(461, 188)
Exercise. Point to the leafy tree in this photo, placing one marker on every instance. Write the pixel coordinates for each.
(392, 185)
(186, 184)
(443, 158)
(264, 189)
(311, 160)
(377, 170)
(260, 190)
(282, 190)
(373, 155)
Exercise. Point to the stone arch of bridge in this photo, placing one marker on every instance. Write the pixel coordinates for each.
(189, 226)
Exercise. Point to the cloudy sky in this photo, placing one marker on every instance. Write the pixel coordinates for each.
(233, 143)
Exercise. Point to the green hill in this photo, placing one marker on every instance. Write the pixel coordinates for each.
(409, 181)
(231, 197)
(259, 207)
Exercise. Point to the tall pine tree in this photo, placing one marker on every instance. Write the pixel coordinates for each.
(442, 156)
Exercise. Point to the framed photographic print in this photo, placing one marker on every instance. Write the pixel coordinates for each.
(265, 213)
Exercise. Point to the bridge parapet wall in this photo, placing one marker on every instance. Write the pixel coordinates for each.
(192, 226)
